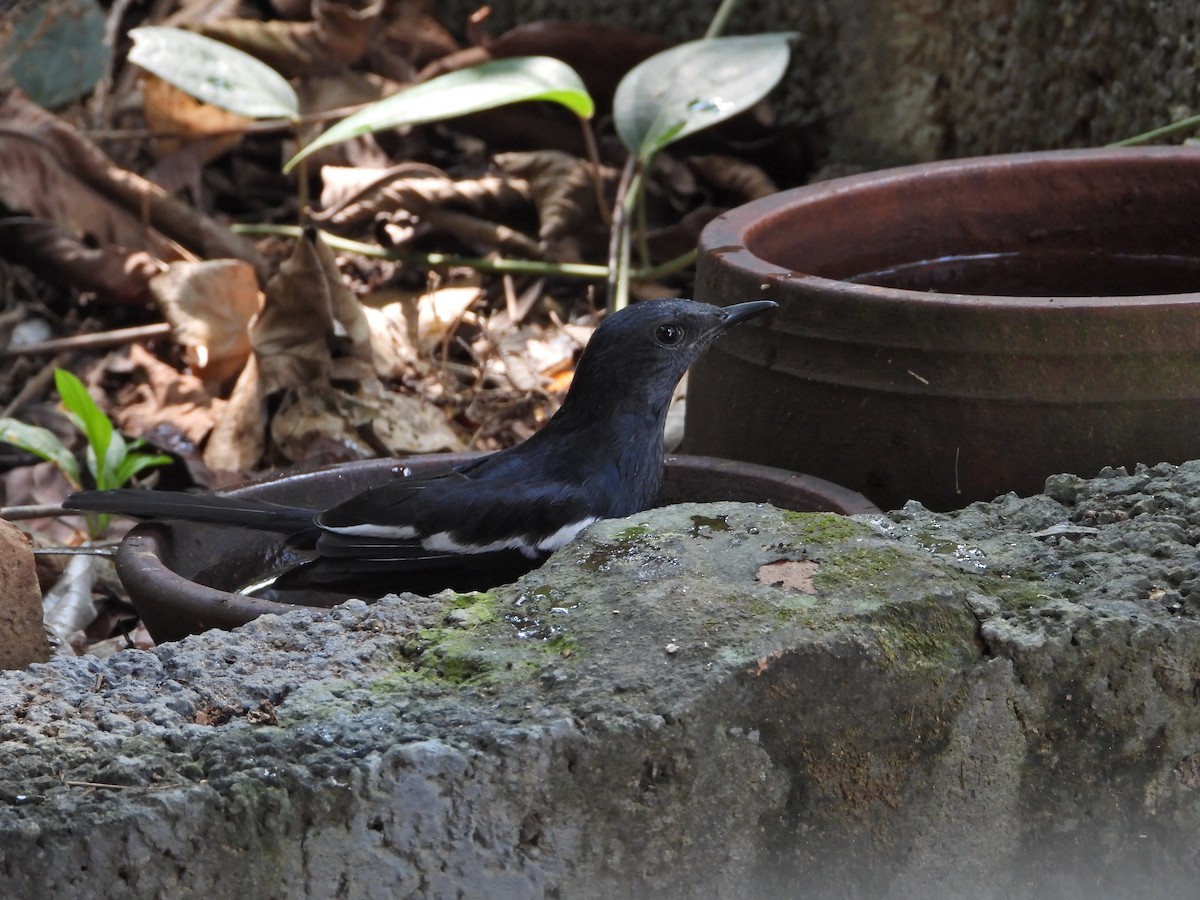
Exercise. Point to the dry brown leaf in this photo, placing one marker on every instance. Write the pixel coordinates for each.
(238, 438)
(484, 235)
(181, 119)
(743, 180)
(338, 36)
(168, 407)
(35, 179)
(441, 311)
(407, 325)
(298, 354)
(324, 423)
(150, 219)
(210, 305)
(35, 485)
(114, 274)
(791, 574)
(348, 203)
(292, 333)
(563, 189)
(414, 35)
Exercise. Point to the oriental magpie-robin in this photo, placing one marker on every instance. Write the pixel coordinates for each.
(491, 519)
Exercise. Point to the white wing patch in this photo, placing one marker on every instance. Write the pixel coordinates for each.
(396, 532)
(444, 541)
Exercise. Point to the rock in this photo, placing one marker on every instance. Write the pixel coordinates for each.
(22, 637)
(913, 705)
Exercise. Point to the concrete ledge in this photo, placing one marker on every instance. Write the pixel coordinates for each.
(1000, 702)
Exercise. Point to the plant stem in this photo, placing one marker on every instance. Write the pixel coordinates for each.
(593, 155)
(438, 260)
(671, 266)
(1155, 133)
(717, 25)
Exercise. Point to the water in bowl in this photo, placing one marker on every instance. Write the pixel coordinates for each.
(1050, 273)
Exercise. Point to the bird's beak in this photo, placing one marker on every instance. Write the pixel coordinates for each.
(740, 312)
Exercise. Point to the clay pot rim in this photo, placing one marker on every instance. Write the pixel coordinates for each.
(728, 236)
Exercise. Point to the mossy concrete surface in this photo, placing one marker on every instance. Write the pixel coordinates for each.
(721, 700)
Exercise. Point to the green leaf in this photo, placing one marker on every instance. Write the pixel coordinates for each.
(54, 51)
(136, 462)
(486, 86)
(41, 442)
(690, 87)
(214, 72)
(88, 418)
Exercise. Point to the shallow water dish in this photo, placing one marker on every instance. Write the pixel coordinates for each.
(180, 575)
(953, 331)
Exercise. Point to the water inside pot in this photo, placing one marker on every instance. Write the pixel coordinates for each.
(1045, 273)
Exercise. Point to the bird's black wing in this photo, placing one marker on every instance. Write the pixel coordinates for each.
(454, 518)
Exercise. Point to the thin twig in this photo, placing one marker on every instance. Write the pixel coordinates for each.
(91, 341)
(36, 385)
(107, 552)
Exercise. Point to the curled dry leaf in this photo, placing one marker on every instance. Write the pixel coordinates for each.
(210, 305)
(157, 217)
(564, 190)
(397, 191)
(338, 36)
(483, 235)
(343, 185)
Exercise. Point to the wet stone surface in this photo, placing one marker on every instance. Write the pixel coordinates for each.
(723, 700)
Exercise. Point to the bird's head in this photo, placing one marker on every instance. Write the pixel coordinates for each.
(641, 352)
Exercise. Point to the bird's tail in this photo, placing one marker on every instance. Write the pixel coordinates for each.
(214, 508)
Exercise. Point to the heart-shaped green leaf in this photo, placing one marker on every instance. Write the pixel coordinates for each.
(214, 72)
(486, 86)
(690, 87)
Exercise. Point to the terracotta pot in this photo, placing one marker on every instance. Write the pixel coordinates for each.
(1057, 328)
(180, 575)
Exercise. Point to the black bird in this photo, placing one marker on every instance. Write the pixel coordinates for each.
(491, 519)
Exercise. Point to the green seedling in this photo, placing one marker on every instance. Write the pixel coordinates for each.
(111, 460)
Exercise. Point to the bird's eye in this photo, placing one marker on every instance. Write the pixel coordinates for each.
(668, 334)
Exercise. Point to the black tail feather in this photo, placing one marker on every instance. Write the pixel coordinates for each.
(214, 508)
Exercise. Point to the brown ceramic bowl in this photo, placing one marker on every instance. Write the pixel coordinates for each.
(953, 331)
(181, 575)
